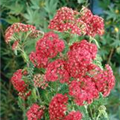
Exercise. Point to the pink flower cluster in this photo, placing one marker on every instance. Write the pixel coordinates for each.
(56, 71)
(80, 58)
(17, 81)
(47, 47)
(74, 115)
(35, 112)
(14, 31)
(57, 107)
(65, 20)
(39, 81)
(83, 90)
(16, 28)
(104, 80)
(20, 84)
(80, 23)
(94, 23)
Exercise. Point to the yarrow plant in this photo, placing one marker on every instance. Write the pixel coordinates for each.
(63, 78)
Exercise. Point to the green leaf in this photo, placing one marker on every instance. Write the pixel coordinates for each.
(116, 43)
(17, 9)
(50, 7)
(111, 13)
(32, 16)
(12, 19)
(35, 4)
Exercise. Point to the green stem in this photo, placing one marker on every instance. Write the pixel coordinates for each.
(98, 116)
(90, 113)
(87, 114)
(27, 62)
(24, 111)
(26, 59)
(93, 39)
(39, 98)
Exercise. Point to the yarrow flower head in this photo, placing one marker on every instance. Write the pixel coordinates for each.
(74, 115)
(35, 112)
(20, 85)
(81, 23)
(94, 23)
(83, 90)
(57, 107)
(47, 47)
(80, 57)
(65, 20)
(17, 81)
(18, 33)
(17, 28)
(56, 71)
(104, 79)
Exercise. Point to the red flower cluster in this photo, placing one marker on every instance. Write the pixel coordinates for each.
(80, 58)
(74, 115)
(88, 88)
(39, 81)
(79, 23)
(65, 20)
(17, 81)
(16, 28)
(94, 23)
(57, 107)
(78, 65)
(56, 71)
(82, 90)
(47, 47)
(35, 112)
(104, 80)
(19, 84)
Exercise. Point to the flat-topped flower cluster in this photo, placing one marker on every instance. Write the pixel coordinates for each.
(81, 23)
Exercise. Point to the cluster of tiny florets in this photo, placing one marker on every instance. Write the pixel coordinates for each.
(47, 47)
(57, 107)
(83, 90)
(16, 28)
(35, 112)
(94, 23)
(39, 81)
(17, 81)
(56, 71)
(20, 85)
(65, 20)
(80, 23)
(80, 57)
(104, 80)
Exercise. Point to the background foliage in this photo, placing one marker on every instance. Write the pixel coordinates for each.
(39, 13)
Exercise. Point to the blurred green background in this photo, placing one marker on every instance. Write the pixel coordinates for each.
(39, 13)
